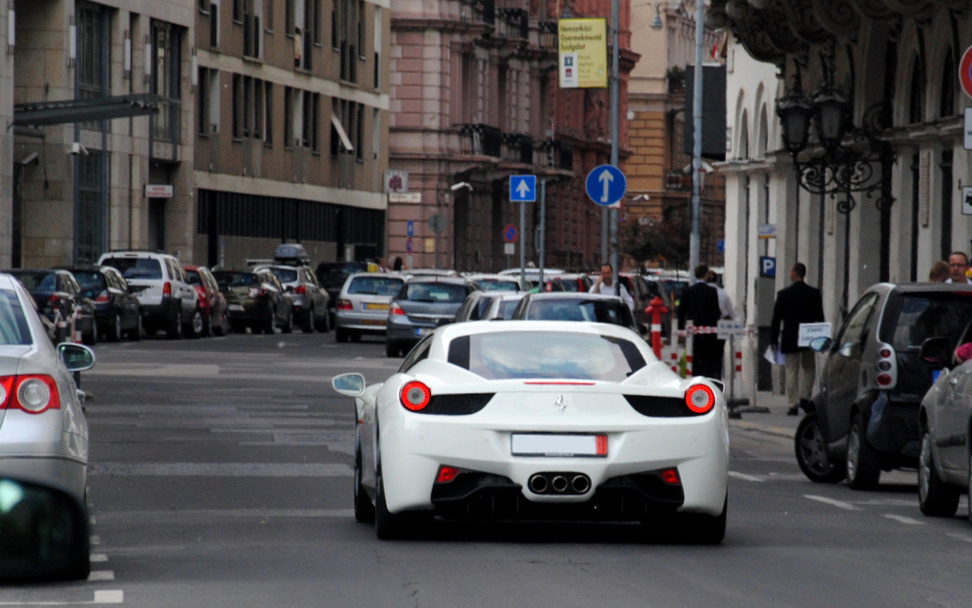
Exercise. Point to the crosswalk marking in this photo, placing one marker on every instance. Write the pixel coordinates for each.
(834, 503)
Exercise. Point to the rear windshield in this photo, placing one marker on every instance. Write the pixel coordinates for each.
(286, 275)
(37, 281)
(375, 286)
(924, 316)
(235, 279)
(434, 292)
(496, 285)
(573, 309)
(546, 354)
(13, 323)
(136, 268)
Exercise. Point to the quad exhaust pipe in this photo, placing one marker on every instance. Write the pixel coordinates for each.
(559, 483)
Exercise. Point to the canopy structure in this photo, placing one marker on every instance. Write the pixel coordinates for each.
(39, 114)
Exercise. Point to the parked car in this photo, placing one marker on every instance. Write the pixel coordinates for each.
(475, 305)
(168, 301)
(362, 305)
(43, 432)
(116, 309)
(212, 302)
(526, 421)
(332, 276)
(573, 282)
(421, 305)
(865, 418)
(531, 275)
(58, 297)
(255, 299)
(311, 302)
(945, 418)
(495, 282)
(566, 306)
(503, 307)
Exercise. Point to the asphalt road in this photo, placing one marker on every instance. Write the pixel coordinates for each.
(220, 476)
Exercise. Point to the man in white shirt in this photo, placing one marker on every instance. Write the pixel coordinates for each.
(725, 304)
(605, 286)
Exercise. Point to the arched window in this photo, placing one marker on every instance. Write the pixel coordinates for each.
(915, 113)
(946, 105)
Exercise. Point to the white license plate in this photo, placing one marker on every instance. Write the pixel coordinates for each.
(235, 307)
(543, 444)
(423, 331)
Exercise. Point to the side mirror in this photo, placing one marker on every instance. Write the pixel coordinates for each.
(43, 533)
(821, 345)
(76, 357)
(936, 352)
(351, 385)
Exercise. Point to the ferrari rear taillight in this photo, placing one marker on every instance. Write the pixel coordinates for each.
(32, 393)
(344, 305)
(396, 309)
(699, 398)
(415, 396)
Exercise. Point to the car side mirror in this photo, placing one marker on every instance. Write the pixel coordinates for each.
(76, 357)
(351, 385)
(936, 352)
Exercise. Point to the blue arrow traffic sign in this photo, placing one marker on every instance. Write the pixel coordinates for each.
(606, 185)
(523, 188)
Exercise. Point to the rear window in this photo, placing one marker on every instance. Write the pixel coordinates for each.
(235, 279)
(136, 268)
(286, 275)
(13, 323)
(923, 316)
(37, 281)
(536, 354)
(434, 292)
(194, 278)
(496, 285)
(375, 286)
(572, 309)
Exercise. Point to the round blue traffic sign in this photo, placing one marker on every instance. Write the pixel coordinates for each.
(606, 185)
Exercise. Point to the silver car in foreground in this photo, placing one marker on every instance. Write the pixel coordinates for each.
(43, 432)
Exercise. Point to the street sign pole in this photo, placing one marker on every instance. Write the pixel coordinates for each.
(523, 246)
(543, 225)
(615, 109)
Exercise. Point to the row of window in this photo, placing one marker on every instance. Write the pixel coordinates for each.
(253, 111)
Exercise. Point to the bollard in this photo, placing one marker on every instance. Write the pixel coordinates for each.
(656, 308)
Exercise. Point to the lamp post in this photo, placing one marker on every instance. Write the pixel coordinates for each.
(839, 169)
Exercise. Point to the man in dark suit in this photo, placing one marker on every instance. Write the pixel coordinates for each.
(796, 304)
(700, 304)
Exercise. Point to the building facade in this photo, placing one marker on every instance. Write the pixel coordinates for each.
(475, 99)
(879, 198)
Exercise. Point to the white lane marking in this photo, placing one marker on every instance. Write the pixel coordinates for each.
(961, 537)
(744, 477)
(172, 517)
(102, 596)
(905, 520)
(98, 557)
(219, 469)
(101, 575)
(834, 503)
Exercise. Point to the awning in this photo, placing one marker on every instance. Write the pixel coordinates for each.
(83, 110)
(345, 141)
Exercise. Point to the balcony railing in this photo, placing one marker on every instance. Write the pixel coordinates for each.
(481, 140)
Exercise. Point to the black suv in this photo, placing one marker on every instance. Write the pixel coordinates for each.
(865, 417)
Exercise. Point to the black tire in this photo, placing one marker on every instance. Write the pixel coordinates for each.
(307, 324)
(91, 338)
(706, 529)
(392, 348)
(220, 329)
(811, 453)
(364, 511)
(323, 325)
(113, 333)
(135, 334)
(288, 326)
(935, 497)
(173, 328)
(387, 525)
(270, 323)
(194, 328)
(340, 335)
(863, 464)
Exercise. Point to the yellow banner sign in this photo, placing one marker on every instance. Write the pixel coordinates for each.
(583, 53)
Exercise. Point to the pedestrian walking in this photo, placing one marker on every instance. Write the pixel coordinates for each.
(796, 304)
(700, 304)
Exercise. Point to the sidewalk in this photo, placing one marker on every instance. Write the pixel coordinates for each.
(774, 422)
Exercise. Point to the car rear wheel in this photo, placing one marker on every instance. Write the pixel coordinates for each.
(307, 326)
(270, 322)
(135, 334)
(113, 333)
(91, 338)
(364, 511)
(173, 329)
(935, 498)
(288, 326)
(323, 325)
(392, 348)
(863, 466)
(387, 525)
(194, 328)
(340, 335)
(811, 453)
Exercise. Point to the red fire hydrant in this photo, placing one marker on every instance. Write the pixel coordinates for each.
(656, 308)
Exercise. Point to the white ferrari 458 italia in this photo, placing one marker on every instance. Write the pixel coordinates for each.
(539, 420)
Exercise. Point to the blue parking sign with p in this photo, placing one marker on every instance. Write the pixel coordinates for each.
(767, 266)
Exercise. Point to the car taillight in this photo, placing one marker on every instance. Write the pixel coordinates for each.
(103, 297)
(415, 396)
(300, 290)
(167, 289)
(396, 309)
(33, 393)
(699, 398)
(886, 368)
(344, 305)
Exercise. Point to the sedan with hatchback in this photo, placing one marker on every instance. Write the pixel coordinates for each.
(362, 306)
(421, 305)
(116, 309)
(255, 299)
(310, 300)
(43, 432)
(526, 421)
